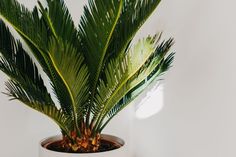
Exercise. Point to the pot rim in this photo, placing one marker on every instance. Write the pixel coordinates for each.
(108, 137)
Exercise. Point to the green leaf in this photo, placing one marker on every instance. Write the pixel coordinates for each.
(116, 78)
(69, 67)
(29, 25)
(60, 21)
(69, 63)
(152, 67)
(96, 28)
(18, 92)
(17, 64)
(138, 89)
(26, 84)
(36, 33)
(115, 72)
(134, 15)
(144, 60)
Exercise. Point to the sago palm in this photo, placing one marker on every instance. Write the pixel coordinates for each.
(95, 70)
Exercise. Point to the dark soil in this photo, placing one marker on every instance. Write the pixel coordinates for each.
(104, 146)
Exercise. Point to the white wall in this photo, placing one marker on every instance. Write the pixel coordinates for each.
(199, 116)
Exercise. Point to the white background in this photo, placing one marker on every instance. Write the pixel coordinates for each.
(199, 114)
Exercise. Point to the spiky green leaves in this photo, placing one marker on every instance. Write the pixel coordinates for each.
(70, 73)
(59, 21)
(93, 69)
(28, 24)
(146, 60)
(134, 15)
(96, 29)
(17, 64)
(115, 72)
(25, 83)
(70, 65)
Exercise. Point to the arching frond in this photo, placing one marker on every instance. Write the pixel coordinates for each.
(72, 68)
(26, 84)
(96, 28)
(29, 25)
(134, 15)
(17, 64)
(24, 95)
(144, 60)
(36, 32)
(59, 21)
(69, 66)
(134, 92)
(115, 72)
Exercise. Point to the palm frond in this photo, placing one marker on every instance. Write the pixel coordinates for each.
(59, 21)
(36, 33)
(132, 63)
(72, 68)
(153, 67)
(134, 15)
(26, 84)
(143, 61)
(29, 25)
(17, 64)
(115, 72)
(23, 93)
(57, 83)
(95, 29)
(137, 90)
(70, 71)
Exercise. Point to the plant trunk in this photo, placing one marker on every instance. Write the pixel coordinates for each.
(84, 144)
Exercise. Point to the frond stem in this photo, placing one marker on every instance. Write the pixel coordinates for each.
(102, 61)
(71, 96)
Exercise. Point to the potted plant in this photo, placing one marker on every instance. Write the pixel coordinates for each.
(94, 70)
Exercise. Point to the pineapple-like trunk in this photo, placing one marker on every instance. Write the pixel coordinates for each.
(83, 144)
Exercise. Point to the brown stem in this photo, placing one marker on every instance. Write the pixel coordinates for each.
(82, 145)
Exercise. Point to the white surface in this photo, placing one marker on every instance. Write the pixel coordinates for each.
(199, 114)
(150, 101)
(198, 118)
